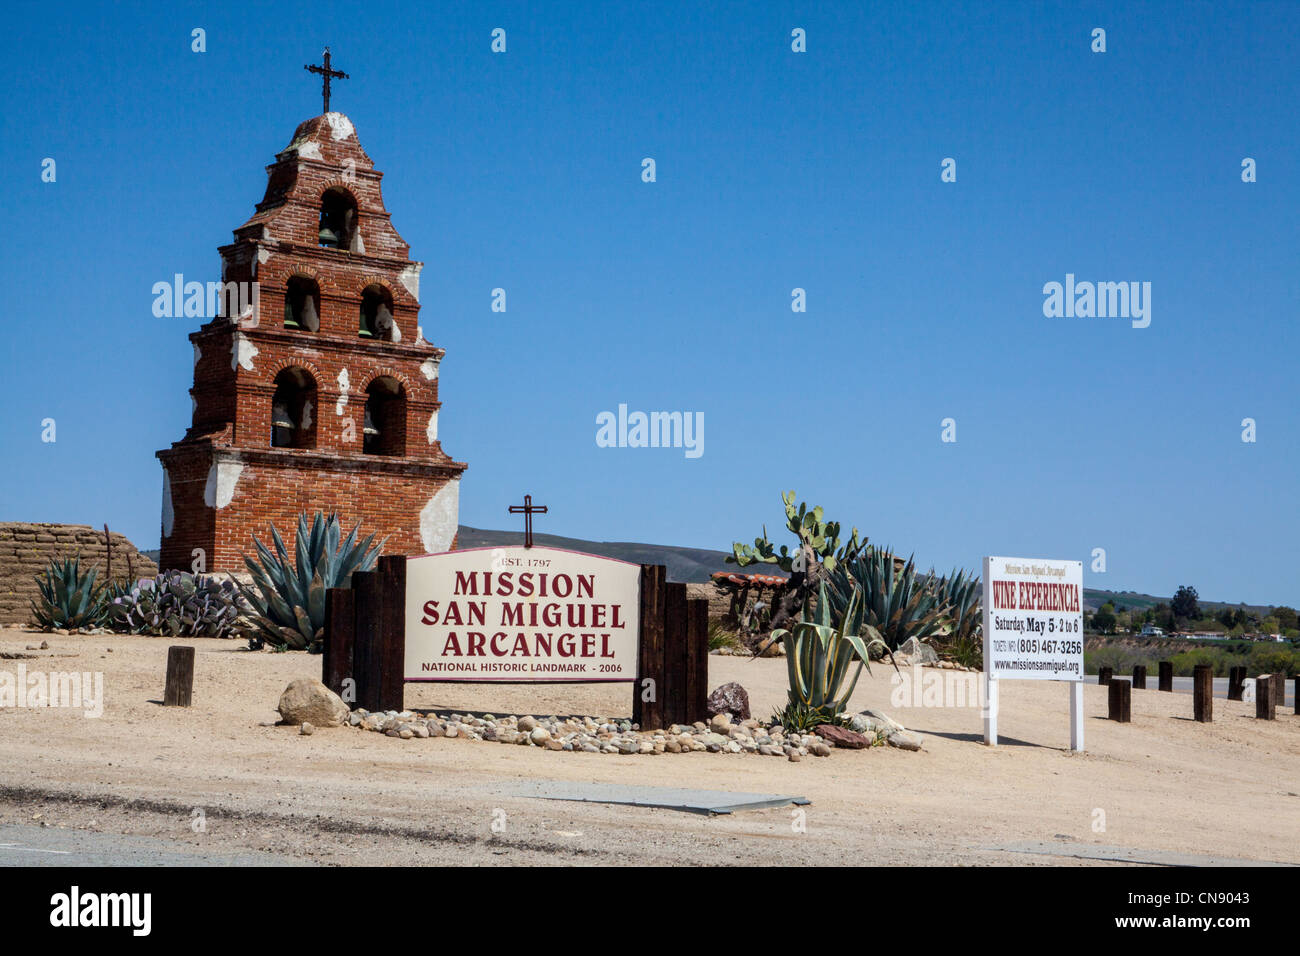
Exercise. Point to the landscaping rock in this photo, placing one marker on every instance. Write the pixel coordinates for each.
(306, 729)
(906, 740)
(842, 737)
(918, 652)
(877, 721)
(308, 700)
(730, 699)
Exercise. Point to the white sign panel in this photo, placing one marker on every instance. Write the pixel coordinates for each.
(521, 614)
(1033, 619)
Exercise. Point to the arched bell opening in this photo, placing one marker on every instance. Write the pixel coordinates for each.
(302, 304)
(338, 221)
(385, 423)
(293, 409)
(375, 318)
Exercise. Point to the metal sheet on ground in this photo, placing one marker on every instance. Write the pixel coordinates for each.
(664, 798)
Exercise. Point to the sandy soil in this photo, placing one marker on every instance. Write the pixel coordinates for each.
(344, 796)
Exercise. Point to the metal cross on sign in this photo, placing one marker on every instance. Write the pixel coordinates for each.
(528, 509)
(326, 73)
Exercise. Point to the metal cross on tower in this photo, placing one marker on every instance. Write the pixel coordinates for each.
(326, 73)
(528, 509)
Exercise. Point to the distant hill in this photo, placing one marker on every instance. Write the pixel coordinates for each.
(1093, 598)
(696, 564)
(684, 564)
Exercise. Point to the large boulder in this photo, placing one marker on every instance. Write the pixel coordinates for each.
(309, 701)
(730, 699)
(912, 651)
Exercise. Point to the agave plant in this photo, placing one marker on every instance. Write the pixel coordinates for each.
(289, 603)
(68, 598)
(895, 601)
(962, 637)
(176, 604)
(818, 656)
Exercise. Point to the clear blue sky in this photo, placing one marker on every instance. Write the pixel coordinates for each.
(775, 170)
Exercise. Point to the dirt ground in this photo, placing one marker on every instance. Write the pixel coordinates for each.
(343, 796)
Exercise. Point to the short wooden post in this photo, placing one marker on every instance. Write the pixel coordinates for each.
(647, 692)
(1265, 698)
(673, 690)
(368, 637)
(180, 677)
(1203, 693)
(1236, 682)
(697, 660)
(392, 651)
(1279, 689)
(1120, 701)
(1167, 675)
(1139, 677)
(1104, 674)
(336, 656)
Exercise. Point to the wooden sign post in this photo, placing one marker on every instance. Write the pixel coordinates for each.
(1120, 701)
(180, 677)
(368, 653)
(1265, 698)
(1203, 693)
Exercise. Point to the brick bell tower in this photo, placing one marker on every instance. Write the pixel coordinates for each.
(318, 391)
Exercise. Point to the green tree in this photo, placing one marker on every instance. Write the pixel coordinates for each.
(1184, 603)
(1104, 619)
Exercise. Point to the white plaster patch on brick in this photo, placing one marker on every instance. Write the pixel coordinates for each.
(263, 254)
(220, 487)
(410, 278)
(340, 126)
(242, 351)
(419, 334)
(429, 368)
(344, 383)
(198, 353)
(431, 430)
(168, 515)
(358, 243)
(306, 415)
(310, 151)
(440, 517)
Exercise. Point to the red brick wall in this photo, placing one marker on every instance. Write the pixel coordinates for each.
(278, 487)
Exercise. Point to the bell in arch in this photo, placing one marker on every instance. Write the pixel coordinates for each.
(368, 427)
(281, 425)
(308, 318)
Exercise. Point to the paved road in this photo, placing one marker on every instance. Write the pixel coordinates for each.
(26, 845)
(1183, 685)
